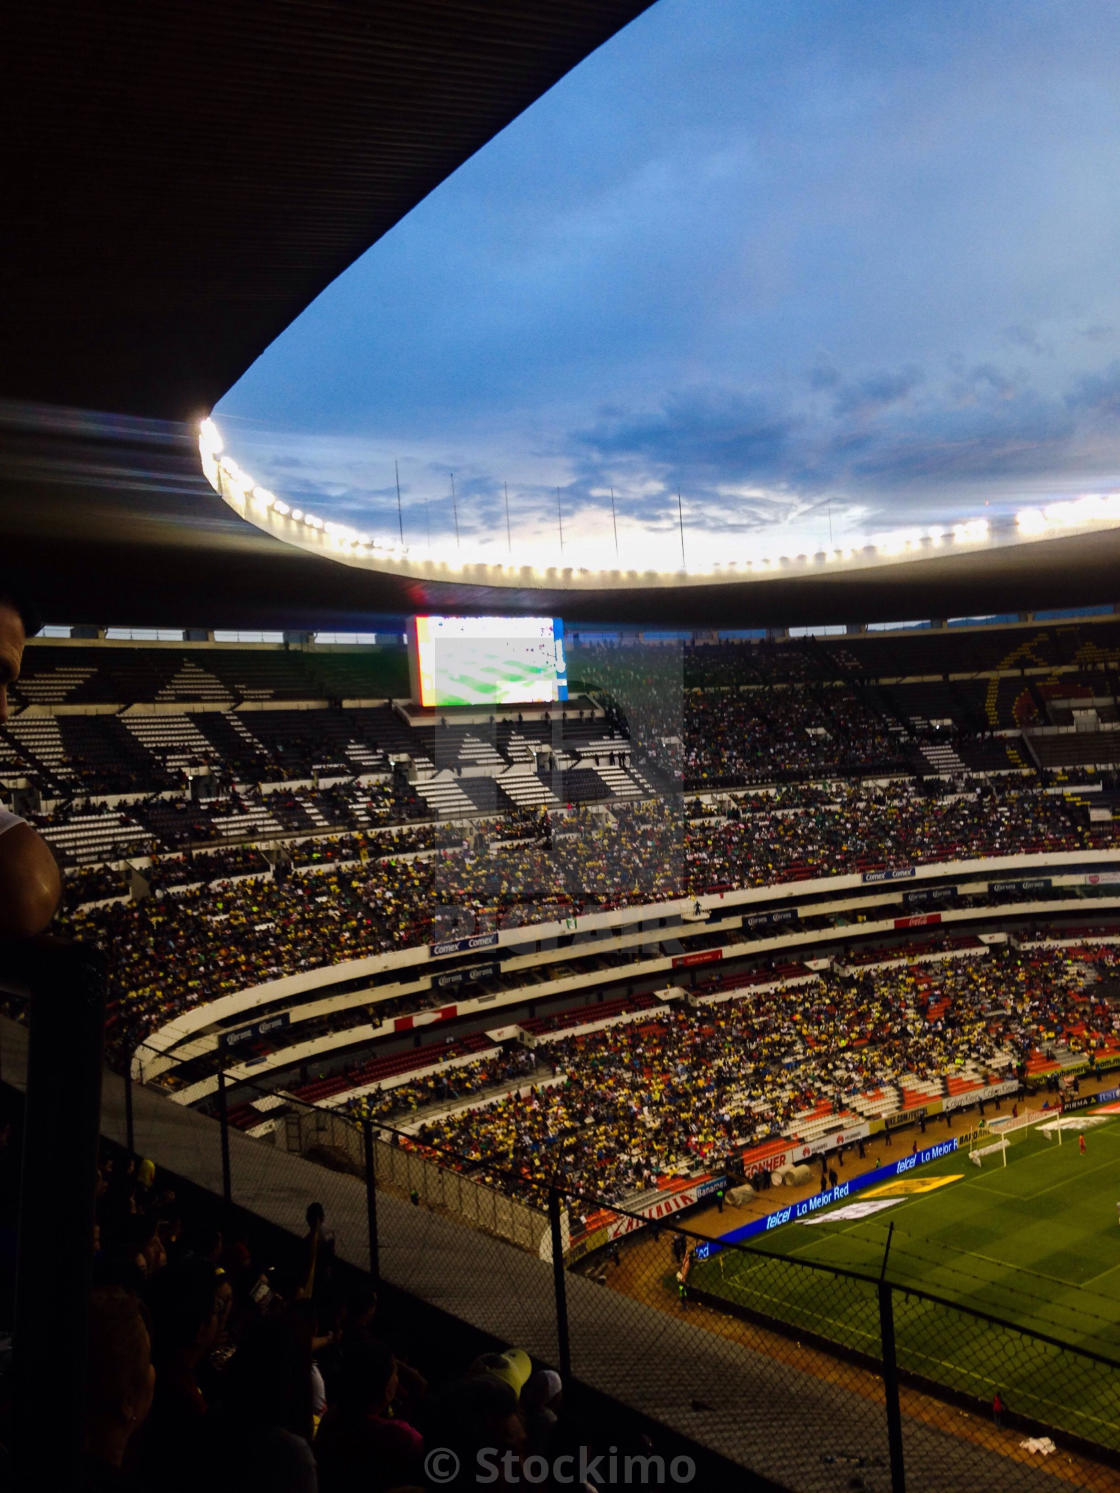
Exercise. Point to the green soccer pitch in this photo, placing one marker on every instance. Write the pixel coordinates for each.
(1034, 1245)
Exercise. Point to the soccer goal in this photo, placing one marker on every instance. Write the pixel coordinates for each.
(995, 1137)
(991, 1148)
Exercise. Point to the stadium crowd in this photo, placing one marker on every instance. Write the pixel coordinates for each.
(223, 1354)
(645, 1099)
(762, 735)
(449, 1086)
(184, 948)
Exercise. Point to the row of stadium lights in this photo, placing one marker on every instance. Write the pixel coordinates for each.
(238, 488)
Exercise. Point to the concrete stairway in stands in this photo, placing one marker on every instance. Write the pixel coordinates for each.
(444, 797)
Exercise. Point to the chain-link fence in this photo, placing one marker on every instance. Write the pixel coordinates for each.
(809, 1375)
(901, 1388)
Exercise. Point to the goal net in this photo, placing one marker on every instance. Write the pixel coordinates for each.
(992, 1148)
(993, 1138)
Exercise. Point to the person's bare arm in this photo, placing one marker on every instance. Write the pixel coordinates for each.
(30, 886)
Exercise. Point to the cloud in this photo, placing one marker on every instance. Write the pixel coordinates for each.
(876, 392)
(959, 448)
(696, 434)
(866, 269)
(984, 381)
(890, 438)
(1097, 394)
(823, 375)
(898, 445)
(1027, 337)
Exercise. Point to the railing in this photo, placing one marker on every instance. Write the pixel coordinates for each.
(802, 1372)
(780, 1326)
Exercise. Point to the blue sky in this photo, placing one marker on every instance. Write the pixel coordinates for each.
(823, 268)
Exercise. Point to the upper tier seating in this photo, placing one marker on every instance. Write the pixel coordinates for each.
(1081, 748)
(768, 713)
(376, 673)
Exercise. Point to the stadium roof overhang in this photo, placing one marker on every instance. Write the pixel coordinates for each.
(182, 180)
(116, 528)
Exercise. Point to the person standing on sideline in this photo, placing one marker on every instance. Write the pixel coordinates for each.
(1081, 1144)
(997, 1410)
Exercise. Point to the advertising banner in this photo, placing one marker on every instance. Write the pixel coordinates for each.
(929, 896)
(665, 1207)
(793, 1153)
(588, 1244)
(773, 1158)
(705, 956)
(903, 873)
(260, 1028)
(1073, 1102)
(771, 919)
(812, 1205)
(974, 1096)
(462, 945)
(471, 973)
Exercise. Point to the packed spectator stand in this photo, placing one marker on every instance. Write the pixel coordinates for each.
(766, 712)
(267, 821)
(242, 814)
(703, 1083)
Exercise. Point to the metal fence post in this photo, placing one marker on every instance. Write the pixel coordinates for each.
(62, 1122)
(559, 1286)
(371, 1201)
(129, 1127)
(890, 1388)
(223, 1121)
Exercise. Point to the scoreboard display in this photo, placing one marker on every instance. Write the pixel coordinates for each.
(487, 660)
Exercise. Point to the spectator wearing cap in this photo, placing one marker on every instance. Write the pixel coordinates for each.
(474, 1417)
(513, 1367)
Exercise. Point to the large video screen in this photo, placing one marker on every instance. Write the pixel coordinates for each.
(487, 660)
